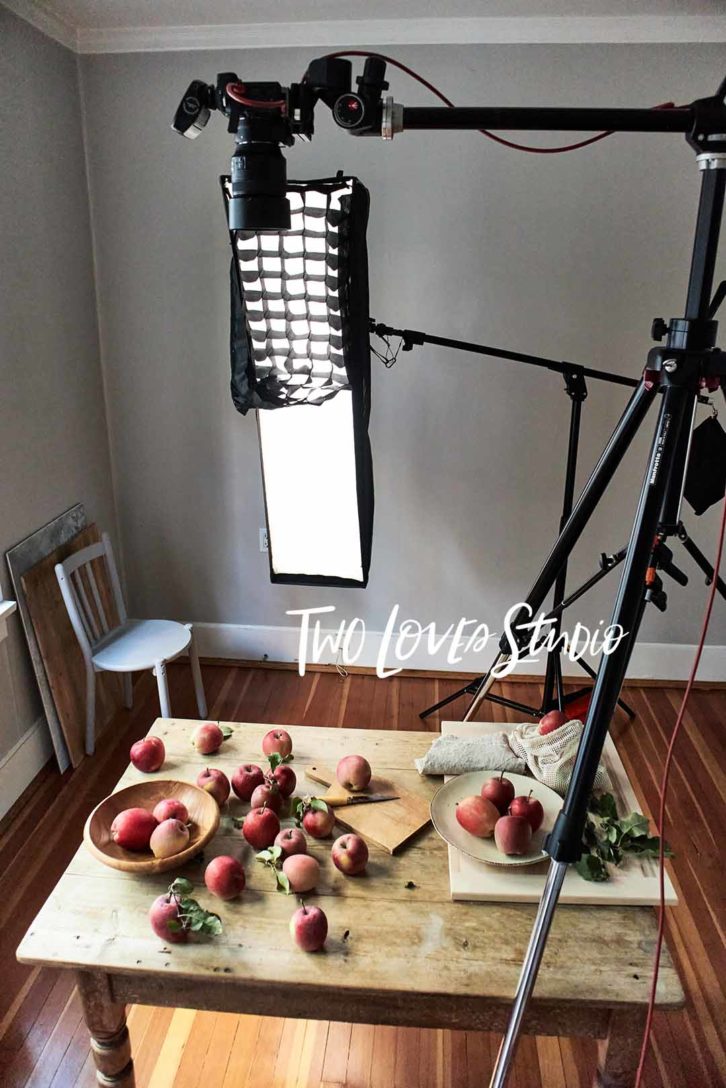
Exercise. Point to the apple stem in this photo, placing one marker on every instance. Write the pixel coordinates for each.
(530, 794)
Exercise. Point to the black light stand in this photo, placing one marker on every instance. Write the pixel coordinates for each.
(688, 363)
(575, 376)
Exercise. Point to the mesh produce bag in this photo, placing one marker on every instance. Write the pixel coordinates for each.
(551, 758)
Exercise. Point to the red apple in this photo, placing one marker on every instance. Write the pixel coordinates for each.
(277, 740)
(309, 928)
(171, 809)
(291, 840)
(215, 782)
(513, 835)
(169, 838)
(269, 795)
(500, 791)
(552, 720)
(225, 877)
(353, 772)
(246, 779)
(164, 910)
(530, 808)
(319, 822)
(478, 816)
(350, 854)
(285, 778)
(260, 826)
(147, 755)
(132, 828)
(207, 738)
(303, 872)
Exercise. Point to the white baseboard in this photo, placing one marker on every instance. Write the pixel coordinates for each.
(24, 760)
(650, 661)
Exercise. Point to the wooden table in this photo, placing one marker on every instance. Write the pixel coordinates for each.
(396, 953)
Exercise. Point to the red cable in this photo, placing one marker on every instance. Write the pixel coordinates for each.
(485, 132)
(663, 794)
(237, 92)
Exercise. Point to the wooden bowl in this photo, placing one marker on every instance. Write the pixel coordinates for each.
(203, 818)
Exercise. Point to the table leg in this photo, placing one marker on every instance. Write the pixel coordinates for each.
(106, 1022)
(619, 1053)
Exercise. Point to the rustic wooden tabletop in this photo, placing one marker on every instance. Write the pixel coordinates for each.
(399, 951)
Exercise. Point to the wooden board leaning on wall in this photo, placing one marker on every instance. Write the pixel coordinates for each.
(59, 648)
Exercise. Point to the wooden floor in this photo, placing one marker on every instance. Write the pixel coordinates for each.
(43, 1041)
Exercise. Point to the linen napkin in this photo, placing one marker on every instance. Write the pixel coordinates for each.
(550, 758)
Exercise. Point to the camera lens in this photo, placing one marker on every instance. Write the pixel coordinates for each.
(259, 213)
(259, 181)
(349, 110)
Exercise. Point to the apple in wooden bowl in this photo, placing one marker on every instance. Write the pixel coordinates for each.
(98, 834)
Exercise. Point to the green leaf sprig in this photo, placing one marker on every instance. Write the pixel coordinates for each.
(271, 858)
(301, 805)
(192, 916)
(227, 730)
(276, 760)
(608, 840)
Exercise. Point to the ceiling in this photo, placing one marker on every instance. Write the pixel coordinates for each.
(90, 26)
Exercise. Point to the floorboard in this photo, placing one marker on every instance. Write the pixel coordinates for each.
(43, 1043)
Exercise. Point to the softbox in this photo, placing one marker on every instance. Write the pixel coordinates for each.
(300, 341)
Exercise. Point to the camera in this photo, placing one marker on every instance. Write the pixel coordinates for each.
(265, 117)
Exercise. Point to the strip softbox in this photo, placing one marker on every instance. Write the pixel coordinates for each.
(300, 341)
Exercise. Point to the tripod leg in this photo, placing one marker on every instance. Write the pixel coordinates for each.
(701, 562)
(559, 686)
(530, 968)
(591, 494)
(486, 684)
(576, 391)
(564, 842)
(468, 690)
(621, 702)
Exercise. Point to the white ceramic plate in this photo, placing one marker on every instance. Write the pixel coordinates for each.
(443, 817)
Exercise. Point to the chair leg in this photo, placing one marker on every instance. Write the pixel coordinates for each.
(163, 686)
(128, 684)
(197, 675)
(90, 711)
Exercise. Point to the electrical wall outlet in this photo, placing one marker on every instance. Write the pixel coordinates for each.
(264, 544)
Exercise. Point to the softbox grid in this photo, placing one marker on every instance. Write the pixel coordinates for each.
(299, 335)
(293, 284)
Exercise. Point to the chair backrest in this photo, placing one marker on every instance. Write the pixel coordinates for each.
(81, 596)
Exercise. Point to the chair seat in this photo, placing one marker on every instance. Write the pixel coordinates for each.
(139, 644)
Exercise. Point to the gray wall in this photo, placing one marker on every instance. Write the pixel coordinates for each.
(53, 442)
(570, 256)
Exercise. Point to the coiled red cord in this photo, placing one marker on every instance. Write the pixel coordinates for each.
(664, 793)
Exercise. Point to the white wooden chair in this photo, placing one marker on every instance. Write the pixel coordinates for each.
(131, 646)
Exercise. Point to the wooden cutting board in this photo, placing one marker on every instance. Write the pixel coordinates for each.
(390, 824)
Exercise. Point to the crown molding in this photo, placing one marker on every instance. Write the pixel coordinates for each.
(46, 21)
(435, 31)
(522, 30)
